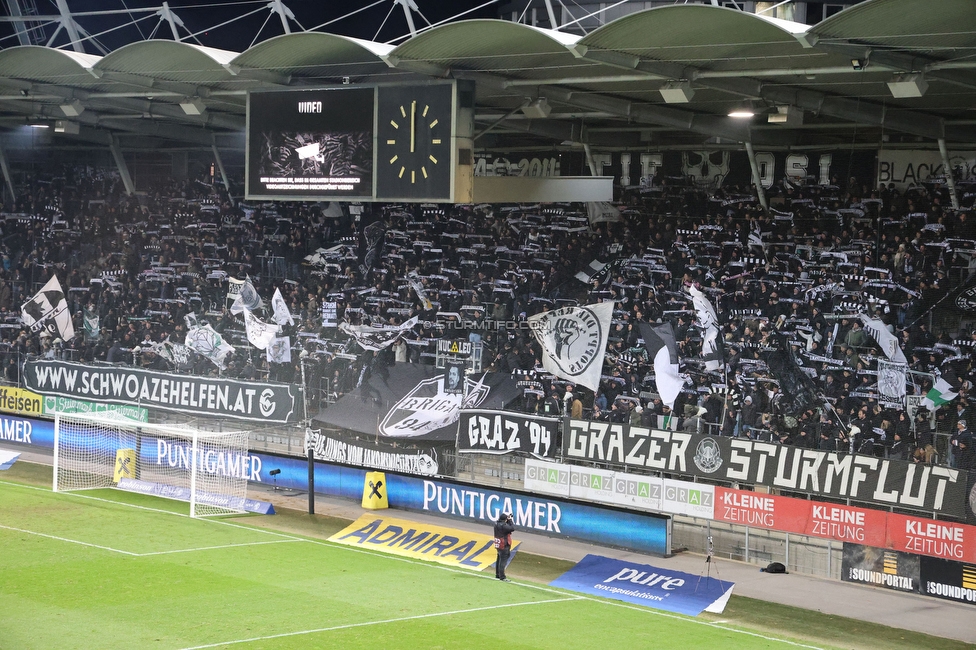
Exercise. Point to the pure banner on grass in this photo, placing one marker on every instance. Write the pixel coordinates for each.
(422, 541)
(642, 584)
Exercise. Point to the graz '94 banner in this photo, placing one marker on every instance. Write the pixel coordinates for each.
(244, 400)
(502, 432)
(837, 475)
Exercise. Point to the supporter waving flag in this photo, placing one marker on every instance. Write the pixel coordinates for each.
(574, 341)
(660, 343)
(49, 309)
(259, 333)
(708, 320)
(281, 314)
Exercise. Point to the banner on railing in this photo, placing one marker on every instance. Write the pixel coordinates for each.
(503, 432)
(632, 491)
(246, 400)
(374, 455)
(411, 401)
(891, 483)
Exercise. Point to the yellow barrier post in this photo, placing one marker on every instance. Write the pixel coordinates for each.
(374, 491)
(125, 464)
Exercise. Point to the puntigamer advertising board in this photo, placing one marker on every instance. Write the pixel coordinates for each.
(246, 400)
(734, 460)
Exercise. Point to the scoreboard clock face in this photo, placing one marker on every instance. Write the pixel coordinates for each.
(414, 143)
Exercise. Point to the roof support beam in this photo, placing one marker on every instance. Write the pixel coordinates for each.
(5, 169)
(113, 144)
(220, 165)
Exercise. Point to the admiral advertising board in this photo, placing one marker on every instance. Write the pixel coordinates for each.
(422, 541)
(502, 432)
(734, 460)
(244, 400)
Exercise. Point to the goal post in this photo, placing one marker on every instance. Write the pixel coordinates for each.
(208, 469)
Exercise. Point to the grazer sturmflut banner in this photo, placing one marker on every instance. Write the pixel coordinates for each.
(244, 400)
(503, 432)
(372, 455)
(858, 477)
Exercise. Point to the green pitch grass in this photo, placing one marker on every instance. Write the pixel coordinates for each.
(103, 569)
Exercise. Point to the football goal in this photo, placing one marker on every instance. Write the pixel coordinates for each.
(209, 469)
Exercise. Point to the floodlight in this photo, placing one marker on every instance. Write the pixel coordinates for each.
(73, 108)
(539, 109)
(193, 106)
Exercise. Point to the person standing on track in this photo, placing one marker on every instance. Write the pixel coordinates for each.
(504, 528)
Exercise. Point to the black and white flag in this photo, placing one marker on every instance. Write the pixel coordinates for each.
(242, 295)
(891, 380)
(49, 309)
(661, 345)
(888, 341)
(574, 341)
(712, 350)
(377, 338)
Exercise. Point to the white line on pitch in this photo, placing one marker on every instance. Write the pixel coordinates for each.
(383, 622)
(73, 541)
(211, 548)
(688, 619)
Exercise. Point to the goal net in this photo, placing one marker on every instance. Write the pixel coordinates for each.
(209, 469)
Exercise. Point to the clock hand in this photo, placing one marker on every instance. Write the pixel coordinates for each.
(413, 123)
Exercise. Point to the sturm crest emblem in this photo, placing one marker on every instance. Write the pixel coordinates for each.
(575, 336)
(966, 300)
(429, 407)
(708, 456)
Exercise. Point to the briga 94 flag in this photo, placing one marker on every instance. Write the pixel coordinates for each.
(502, 432)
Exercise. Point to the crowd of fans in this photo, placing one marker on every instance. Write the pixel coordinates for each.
(793, 278)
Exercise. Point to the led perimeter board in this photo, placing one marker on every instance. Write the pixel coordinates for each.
(310, 144)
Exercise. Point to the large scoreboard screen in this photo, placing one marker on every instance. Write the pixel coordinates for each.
(310, 144)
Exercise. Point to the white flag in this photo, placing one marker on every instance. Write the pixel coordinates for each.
(377, 338)
(891, 380)
(280, 350)
(259, 333)
(49, 309)
(207, 342)
(246, 296)
(888, 341)
(574, 340)
(712, 351)
(281, 313)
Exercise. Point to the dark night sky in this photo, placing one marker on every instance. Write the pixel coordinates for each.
(237, 36)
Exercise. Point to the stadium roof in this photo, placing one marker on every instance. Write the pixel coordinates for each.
(603, 88)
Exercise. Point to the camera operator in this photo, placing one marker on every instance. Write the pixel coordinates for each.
(503, 530)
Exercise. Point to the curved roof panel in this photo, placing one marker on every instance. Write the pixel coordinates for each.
(170, 60)
(489, 45)
(703, 35)
(48, 65)
(308, 50)
(906, 25)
